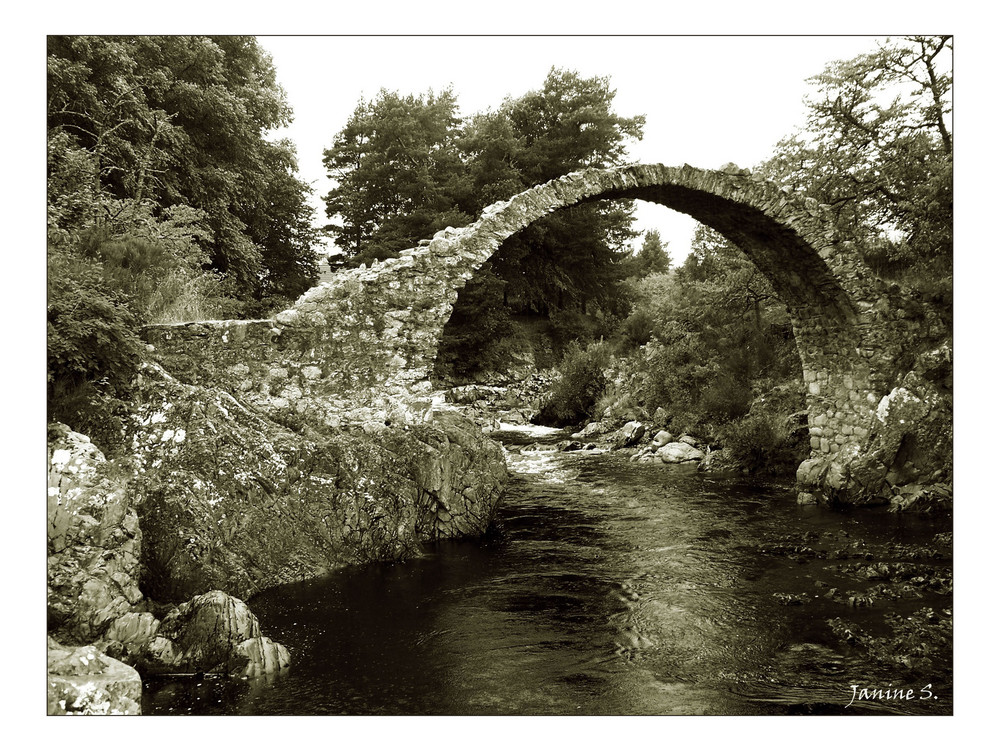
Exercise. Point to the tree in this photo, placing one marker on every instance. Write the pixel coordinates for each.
(652, 258)
(284, 227)
(877, 148)
(406, 166)
(719, 335)
(573, 257)
(567, 264)
(165, 202)
(181, 120)
(399, 174)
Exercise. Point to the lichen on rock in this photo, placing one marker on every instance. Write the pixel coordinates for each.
(84, 681)
(93, 539)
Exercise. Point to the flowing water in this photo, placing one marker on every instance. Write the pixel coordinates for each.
(608, 587)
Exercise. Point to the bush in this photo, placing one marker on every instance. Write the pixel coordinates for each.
(163, 279)
(677, 367)
(758, 443)
(725, 399)
(568, 326)
(93, 352)
(637, 330)
(581, 382)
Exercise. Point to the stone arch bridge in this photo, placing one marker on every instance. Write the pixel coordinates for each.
(362, 347)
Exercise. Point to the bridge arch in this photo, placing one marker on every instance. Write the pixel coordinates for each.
(363, 347)
(831, 297)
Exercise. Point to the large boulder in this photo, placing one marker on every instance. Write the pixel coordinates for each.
(677, 453)
(82, 680)
(630, 434)
(232, 500)
(591, 430)
(662, 438)
(211, 633)
(914, 432)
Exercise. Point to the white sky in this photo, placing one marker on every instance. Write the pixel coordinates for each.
(708, 100)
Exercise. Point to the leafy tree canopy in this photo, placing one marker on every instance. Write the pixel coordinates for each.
(652, 258)
(399, 174)
(877, 148)
(407, 166)
(181, 121)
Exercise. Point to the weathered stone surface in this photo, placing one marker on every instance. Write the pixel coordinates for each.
(93, 540)
(217, 633)
(922, 499)
(133, 628)
(232, 501)
(662, 438)
(591, 429)
(675, 453)
(913, 432)
(211, 633)
(810, 472)
(460, 475)
(82, 680)
(258, 657)
(630, 434)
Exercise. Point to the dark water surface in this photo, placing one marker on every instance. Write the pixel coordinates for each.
(609, 587)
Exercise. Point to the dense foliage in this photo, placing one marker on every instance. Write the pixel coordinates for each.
(407, 166)
(877, 148)
(582, 381)
(165, 202)
(709, 343)
(399, 174)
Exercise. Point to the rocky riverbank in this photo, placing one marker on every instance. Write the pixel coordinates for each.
(906, 466)
(152, 554)
(898, 595)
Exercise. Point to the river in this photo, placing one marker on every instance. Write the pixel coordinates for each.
(610, 588)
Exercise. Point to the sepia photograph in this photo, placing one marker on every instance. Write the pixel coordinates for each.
(499, 374)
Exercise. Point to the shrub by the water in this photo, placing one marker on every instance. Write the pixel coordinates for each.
(759, 443)
(580, 383)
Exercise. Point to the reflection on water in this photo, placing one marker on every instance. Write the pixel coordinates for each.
(607, 588)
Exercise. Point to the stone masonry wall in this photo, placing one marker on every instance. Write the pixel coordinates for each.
(361, 349)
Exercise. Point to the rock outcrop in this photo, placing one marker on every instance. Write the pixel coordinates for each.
(678, 453)
(630, 434)
(907, 460)
(231, 500)
(216, 502)
(93, 539)
(211, 633)
(83, 680)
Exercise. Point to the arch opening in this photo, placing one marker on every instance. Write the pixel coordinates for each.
(822, 281)
(363, 346)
